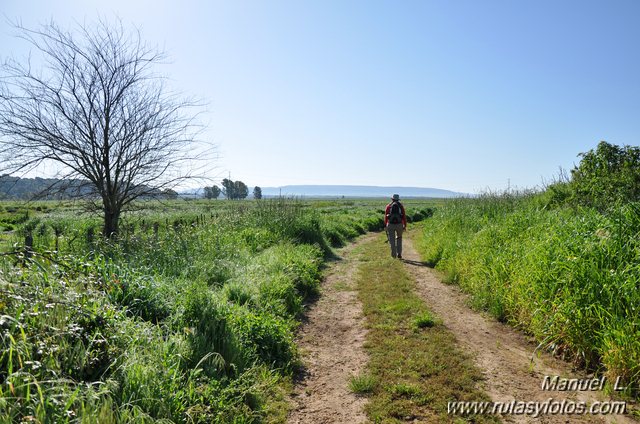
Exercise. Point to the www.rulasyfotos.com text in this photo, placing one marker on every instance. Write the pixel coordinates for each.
(550, 406)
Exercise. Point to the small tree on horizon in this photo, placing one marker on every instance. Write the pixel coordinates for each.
(212, 192)
(228, 189)
(234, 189)
(257, 193)
(241, 190)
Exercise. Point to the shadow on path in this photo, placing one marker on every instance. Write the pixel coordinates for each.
(419, 263)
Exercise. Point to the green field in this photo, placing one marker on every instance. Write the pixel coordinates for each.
(189, 314)
(188, 317)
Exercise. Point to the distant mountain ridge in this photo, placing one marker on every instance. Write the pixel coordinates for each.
(43, 188)
(357, 191)
(54, 188)
(25, 188)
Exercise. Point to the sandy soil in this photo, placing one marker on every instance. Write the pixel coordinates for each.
(331, 341)
(505, 356)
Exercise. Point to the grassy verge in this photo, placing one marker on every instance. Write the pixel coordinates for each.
(415, 366)
(567, 275)
(188, 317)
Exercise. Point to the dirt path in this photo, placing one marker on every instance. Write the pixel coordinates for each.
(331, 341)
(504, 355)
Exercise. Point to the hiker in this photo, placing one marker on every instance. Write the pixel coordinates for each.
(395, 222)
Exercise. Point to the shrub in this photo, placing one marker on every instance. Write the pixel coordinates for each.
(609, 174)
(557, 194)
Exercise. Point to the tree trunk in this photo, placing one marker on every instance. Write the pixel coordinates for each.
(111, 222)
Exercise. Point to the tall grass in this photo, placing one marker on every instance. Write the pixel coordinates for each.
(188, 317)
(570, 275)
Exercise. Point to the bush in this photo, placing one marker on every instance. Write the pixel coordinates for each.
(608, 175)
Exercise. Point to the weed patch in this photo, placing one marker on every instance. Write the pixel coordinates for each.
(363, 383)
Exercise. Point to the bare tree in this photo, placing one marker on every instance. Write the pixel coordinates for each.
(96, 109)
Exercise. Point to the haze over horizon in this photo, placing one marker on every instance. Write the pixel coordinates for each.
(460, 96)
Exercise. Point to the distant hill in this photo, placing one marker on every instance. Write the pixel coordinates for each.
(357, 191)
(52, 188)
(42, 188)
(25, 188)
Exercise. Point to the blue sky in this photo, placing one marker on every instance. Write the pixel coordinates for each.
(460, 95)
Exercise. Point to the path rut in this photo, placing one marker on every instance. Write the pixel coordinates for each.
(505, 356)
(331, 342)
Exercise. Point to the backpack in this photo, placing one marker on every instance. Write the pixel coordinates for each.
(395, 213)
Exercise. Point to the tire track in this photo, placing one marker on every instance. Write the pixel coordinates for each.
(331, 342)
(506, 357)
